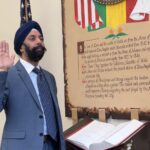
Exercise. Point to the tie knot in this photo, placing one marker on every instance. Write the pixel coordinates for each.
(36, 70)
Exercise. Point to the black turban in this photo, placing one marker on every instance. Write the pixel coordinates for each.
(22, 33)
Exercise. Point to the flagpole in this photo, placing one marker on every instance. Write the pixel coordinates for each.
(26, 10)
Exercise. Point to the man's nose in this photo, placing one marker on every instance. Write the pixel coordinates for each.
(39, 41)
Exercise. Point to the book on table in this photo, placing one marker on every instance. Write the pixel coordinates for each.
(98, 135)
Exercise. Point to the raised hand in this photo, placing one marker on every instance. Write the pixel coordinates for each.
(6, 60)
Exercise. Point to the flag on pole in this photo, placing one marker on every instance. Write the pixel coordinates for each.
(25, 11)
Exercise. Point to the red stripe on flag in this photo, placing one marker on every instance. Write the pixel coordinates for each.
(129, 7)
(82, 13)
(76, 11)
(89, 12)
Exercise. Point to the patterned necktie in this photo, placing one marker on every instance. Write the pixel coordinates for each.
(46, 100)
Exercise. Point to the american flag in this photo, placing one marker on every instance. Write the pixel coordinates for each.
(25, 11)
(86, 14)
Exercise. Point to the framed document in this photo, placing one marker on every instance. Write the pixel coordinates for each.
(107, 57)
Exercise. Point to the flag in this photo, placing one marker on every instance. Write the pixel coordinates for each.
(86, 14)
(25, 11)
(115, 15)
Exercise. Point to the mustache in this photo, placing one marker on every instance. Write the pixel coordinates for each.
(39, 47)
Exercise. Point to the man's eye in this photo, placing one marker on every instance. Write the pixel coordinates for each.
(41, 38)
(32, 39)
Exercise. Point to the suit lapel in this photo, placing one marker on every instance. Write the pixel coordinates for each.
(54, 98)
(27, 81)
(50, 86)
(58, 117)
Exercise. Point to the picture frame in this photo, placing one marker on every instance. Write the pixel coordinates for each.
(106, 63)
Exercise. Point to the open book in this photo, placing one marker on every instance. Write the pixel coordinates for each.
(98, 135)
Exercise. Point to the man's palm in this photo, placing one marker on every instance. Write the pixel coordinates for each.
(6, 61)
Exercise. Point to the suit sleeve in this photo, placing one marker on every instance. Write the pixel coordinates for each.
(3, 90)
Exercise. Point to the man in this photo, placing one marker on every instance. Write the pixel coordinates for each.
(28, 95)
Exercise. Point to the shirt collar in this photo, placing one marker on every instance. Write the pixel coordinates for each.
(28, 67)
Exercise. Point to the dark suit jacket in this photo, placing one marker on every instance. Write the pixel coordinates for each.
(23, 126)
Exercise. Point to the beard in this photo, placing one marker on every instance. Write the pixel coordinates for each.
(36, 53)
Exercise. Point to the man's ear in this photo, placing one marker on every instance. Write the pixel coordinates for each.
(22, 49)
